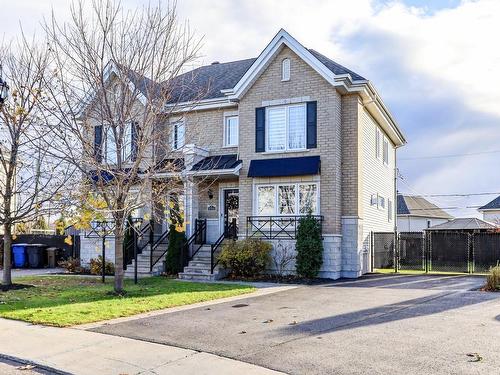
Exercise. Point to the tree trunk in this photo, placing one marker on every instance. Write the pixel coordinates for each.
(118, 259)
(7, 259)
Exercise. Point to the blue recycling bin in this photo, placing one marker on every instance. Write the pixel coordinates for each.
(19, 254)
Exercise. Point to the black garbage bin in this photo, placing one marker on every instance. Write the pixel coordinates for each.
(35, 255)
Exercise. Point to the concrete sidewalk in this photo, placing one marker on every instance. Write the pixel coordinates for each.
(81, 352)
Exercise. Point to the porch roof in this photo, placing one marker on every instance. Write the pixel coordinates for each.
(217, 163)
(283, 167)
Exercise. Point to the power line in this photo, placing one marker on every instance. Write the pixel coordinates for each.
(451, 155)
(459, 195)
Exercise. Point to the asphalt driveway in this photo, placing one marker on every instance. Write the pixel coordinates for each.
(379, 324)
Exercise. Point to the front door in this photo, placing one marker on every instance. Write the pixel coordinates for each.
(231, 204)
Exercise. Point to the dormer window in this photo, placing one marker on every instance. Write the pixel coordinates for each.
(285, 70)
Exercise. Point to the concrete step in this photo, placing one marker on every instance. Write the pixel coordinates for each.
(197, 270)
(197, 276)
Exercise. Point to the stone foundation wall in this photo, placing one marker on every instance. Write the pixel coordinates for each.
(331, 256)
(92, 248)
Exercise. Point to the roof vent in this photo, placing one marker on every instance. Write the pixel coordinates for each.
(215, 63)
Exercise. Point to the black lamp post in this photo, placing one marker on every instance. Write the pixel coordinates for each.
(4, 88)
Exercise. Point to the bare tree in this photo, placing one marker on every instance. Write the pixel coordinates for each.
(29, 176)
(116, 88)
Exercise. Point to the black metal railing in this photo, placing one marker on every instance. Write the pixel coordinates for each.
(199, 237)
(279, 227)
(130, 245)
(159, 246)
(230, 232)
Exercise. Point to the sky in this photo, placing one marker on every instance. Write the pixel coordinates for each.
(436, 65)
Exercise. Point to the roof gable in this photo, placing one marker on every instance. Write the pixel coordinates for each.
(493, 205)
(419, 206)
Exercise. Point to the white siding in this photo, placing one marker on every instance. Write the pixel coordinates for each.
(492, 216)
(417, 224)
(377, 178)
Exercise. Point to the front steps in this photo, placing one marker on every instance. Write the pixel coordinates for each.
(198, 268)
(144, 261)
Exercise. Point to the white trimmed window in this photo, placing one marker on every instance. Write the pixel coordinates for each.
(231, 124)
(285, 70)
(377, 143)
(287, 199)
(177, 134)
(386, 151)
(381, 202)
(110, 144)
(286, 128)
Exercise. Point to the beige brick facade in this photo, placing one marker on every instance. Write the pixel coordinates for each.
(304, 82)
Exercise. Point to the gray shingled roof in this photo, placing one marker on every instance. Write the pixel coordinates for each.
(419, 206)
(471, 223)
(206, 82)
(494, 204)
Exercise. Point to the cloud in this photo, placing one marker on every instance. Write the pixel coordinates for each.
(436, 65)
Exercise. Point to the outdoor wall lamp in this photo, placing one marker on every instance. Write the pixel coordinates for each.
(210, 194)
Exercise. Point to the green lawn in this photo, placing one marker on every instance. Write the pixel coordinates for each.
(69, 300)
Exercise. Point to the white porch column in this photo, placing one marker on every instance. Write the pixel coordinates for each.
(191, 206)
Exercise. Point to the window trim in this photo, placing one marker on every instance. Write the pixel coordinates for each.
(286, 67)
(378, 136)
(275, 186)
(224, 130)
(287, 127)
(385, 143)
(173, 141)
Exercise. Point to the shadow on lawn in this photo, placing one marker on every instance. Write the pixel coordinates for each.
(54, 291)
(408, 309)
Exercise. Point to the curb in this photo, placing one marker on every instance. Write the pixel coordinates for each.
(38, 366)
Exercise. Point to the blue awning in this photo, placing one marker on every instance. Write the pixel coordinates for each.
(283, 167)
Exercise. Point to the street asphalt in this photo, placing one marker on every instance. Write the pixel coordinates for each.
(379, 324)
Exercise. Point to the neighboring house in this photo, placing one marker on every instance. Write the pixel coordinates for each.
(469, 224)
(281, 135)
(491, 211)
(416, 213)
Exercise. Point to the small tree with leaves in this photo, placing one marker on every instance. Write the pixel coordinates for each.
(309, 247)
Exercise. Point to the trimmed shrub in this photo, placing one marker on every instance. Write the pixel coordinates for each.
(493, 279)
(176, 241)
(246, 258)
(96, 267)
(309, 247)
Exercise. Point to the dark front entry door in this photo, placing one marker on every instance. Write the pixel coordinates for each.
(231, 205)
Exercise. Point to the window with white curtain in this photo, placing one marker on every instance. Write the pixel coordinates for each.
(287, 199)
(285, 70)
(177, 134)
(231, 131)
(265, 200)
(386, 151)
(286, 128)
(110, 146)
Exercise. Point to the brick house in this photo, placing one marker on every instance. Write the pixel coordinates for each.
(277, 136)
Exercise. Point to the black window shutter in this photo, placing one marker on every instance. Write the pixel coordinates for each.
(98, 143)
(260, 129)
(134, 141)
(312, 125)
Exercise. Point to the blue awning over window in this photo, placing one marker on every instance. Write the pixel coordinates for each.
(282, 167)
